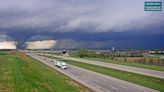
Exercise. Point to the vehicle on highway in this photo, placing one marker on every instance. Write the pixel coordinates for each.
(60, 64)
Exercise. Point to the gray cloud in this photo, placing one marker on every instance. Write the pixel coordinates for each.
(4, 37)
(72, 44)
(39, 38)
(72, 15)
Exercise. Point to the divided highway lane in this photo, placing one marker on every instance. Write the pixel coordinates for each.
(153, 73)
(97, 82)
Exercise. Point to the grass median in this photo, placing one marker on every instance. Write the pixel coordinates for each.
(19, 74)
(146, 66)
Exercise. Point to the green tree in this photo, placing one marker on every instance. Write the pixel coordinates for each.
(82, 52)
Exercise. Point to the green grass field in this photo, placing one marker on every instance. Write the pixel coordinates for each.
(140, 65)
(28, 75)
(147, 81)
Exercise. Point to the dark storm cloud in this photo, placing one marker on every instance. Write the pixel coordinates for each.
(71, 15)
(80, 22)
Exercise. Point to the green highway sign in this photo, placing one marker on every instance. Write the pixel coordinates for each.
(153, 6)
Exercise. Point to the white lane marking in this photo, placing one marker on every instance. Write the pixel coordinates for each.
(124, 86)
(115, 88)
(105, 90)
(97, 81)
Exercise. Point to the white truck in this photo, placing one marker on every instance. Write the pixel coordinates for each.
(60, 64)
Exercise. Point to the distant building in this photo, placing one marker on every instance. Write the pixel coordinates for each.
(156, 52)
(151, 52)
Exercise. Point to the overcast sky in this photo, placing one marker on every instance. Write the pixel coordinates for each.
(82, 23)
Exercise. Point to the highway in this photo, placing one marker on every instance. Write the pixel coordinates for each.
(148, 72)
(154, 55)
(95, 81)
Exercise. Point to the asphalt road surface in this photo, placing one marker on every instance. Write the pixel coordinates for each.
(148, 72)
(95, 81)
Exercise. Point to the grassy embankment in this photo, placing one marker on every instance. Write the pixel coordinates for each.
(147, 81)
(18, 74)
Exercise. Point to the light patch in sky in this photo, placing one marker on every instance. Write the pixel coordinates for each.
(8, 45)
(45, 44)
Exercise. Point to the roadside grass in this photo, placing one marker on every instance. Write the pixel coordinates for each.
(147, 81)
(146, 66)
(19, 74)
(3, 53)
